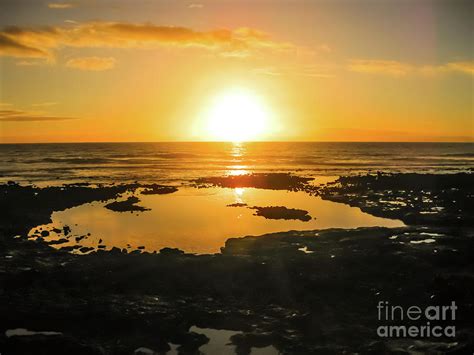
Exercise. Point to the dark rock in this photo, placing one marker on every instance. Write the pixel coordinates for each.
(171, 251)
(59, 241)
(263, 287)
(69, 248)
(237, 204)
(281, 212)
(78, 239)
(274, 181)
(155, 189)
(191, 342)
(129, 205)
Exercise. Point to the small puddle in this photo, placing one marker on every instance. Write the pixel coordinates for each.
(25, 332)
(220, 343)
(197, 220)
(423, 241)
(219, 340)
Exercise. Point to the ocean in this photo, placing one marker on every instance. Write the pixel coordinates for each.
(174, 162)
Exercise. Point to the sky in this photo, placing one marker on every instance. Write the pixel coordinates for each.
(320, 70)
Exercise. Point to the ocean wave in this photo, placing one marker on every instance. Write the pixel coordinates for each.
(460, 155)
(77, 160)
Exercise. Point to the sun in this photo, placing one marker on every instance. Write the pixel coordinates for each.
(236, 116)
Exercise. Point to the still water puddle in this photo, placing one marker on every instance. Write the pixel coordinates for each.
(198, 220)
(220, 342)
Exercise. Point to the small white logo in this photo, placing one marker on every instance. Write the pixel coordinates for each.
(415, 321)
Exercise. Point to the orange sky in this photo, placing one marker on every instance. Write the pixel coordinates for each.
(151, 70)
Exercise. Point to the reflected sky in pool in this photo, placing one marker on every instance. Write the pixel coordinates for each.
(199, 220)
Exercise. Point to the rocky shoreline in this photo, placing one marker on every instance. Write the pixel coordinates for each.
(301, 292)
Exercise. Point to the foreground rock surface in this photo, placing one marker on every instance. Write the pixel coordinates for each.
(302, 292)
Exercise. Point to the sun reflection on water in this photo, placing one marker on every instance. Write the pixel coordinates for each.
(237, 150)
(237, 170)
(239, 193)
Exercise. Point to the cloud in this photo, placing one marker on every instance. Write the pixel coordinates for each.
(314, 71)
(387, 135)
(60, 5)
(43, 41)
(45, 104)
(195, 6)
(460, 67)
(387, 67)
(91, 63)
(24, 116)
(465, 67)
(324, 48)
(10, 47)
(29, 63)
(398, 69)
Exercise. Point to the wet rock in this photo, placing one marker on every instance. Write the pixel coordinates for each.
(261, 286)
(40, 344)
(66, 230)
(416, 199)
(144, 351)
(155, 189)
(78, 239)
(85, 249)
(191, 342)
(59, 241)
(274, 181)
(246, 341)
(237, 204)
(281, 212)
(171, 251)
(70, 248)
(129, 205)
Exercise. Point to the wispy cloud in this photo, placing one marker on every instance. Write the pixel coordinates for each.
(461, 67)
(465, 67)
(9, 46)
(26, 116)
(30, 63)
(314, 71)
(60, 5)
(387, 135)
(91, 63)
(43, 41)
(387, 67)
(399, 69)
(195, 6)
(45, 104)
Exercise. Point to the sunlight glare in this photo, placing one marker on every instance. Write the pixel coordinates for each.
(237, 116)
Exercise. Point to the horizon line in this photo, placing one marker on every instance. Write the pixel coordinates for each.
(243, 142)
